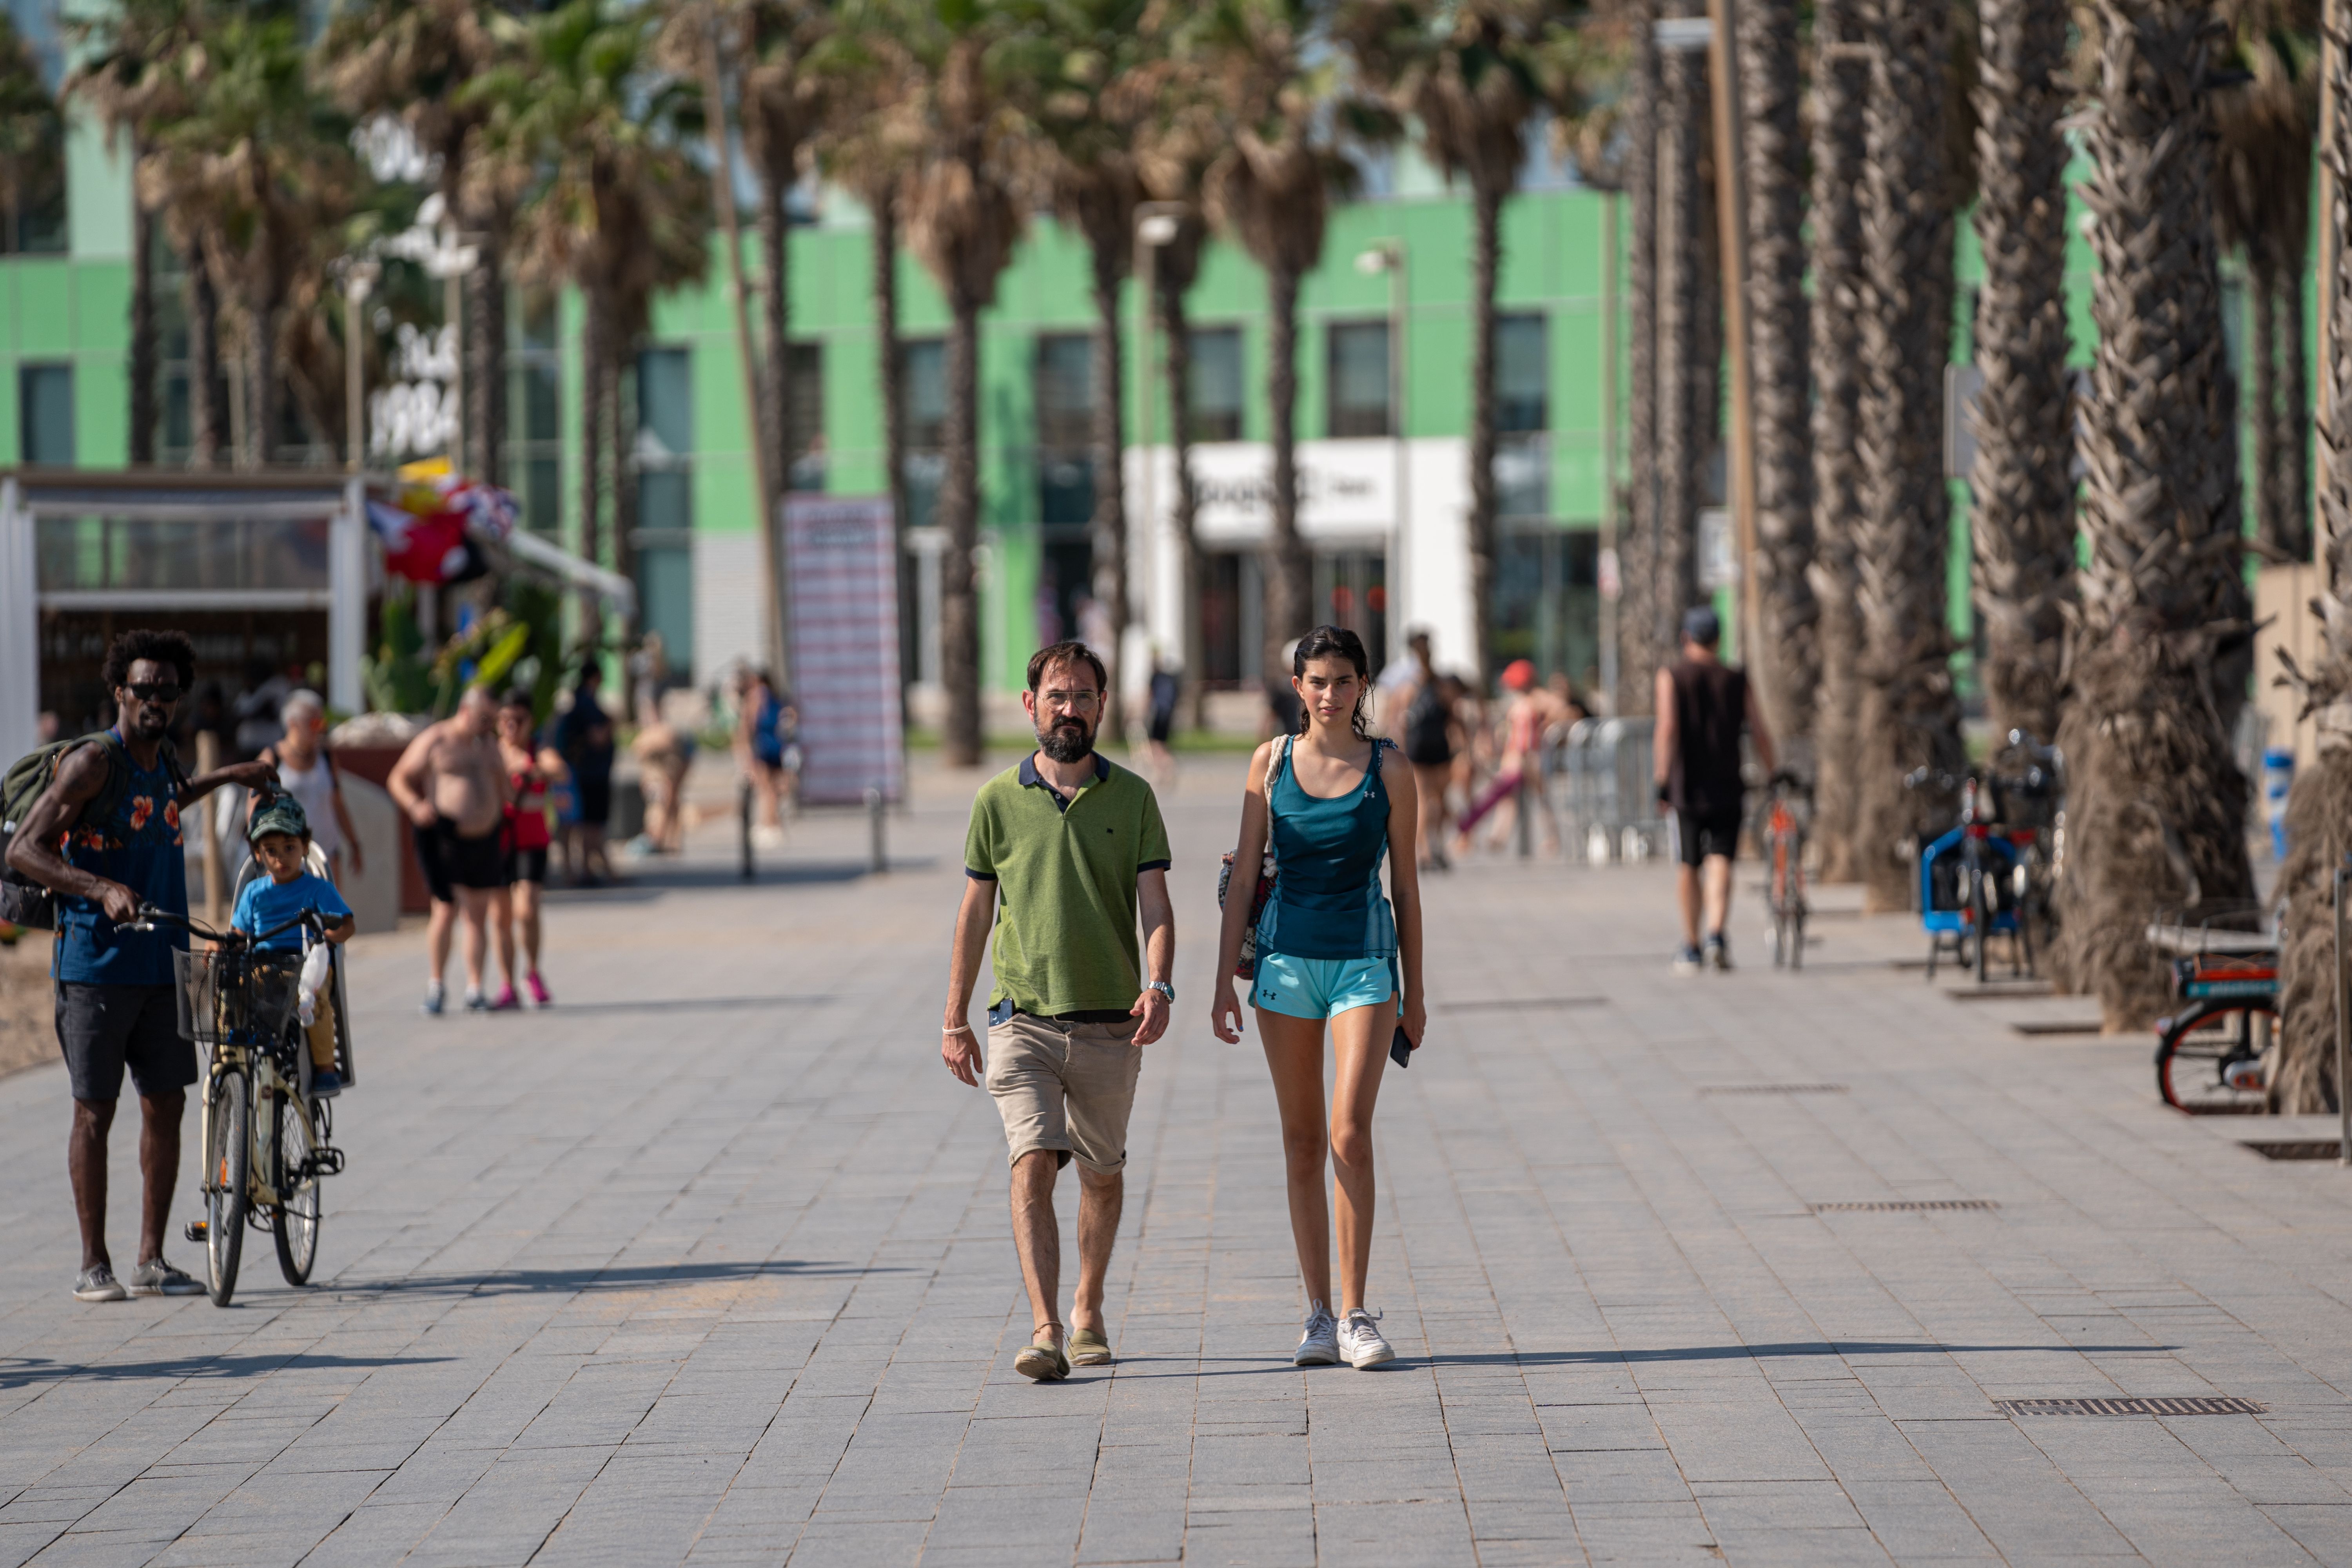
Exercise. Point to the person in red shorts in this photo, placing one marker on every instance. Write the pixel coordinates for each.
(531, 769)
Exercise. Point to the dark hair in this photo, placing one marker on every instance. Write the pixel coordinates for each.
(1334, 642)
(163, 647)
(1045, 658)
(516, 696)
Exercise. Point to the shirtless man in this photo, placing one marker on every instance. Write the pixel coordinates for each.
(452, 784)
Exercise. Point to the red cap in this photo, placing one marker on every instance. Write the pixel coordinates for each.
(1519, 674)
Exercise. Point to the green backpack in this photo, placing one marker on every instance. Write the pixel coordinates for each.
(24, 902)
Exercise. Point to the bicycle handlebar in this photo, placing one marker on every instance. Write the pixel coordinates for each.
(149, 914)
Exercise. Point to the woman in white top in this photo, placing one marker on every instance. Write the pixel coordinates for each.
(308, 773)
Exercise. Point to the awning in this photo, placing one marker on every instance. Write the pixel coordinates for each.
(553, 558)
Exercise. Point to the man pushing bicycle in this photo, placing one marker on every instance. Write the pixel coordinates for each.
(103, 837)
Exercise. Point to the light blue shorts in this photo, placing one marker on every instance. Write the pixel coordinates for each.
(1320, 987)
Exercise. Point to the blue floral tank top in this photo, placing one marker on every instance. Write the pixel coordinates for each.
(140, 847)
(1327, 899)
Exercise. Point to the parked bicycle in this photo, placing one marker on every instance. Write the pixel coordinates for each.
(1968, 883)
(2029, 795)
(1781, 819)
(2213, 1054)
(267, 1142)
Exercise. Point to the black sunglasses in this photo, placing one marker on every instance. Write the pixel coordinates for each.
(147, 692)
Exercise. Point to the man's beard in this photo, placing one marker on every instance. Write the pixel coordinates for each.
(150, 723)
(1066, 740)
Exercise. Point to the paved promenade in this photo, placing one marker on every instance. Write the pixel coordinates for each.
(710, 1264)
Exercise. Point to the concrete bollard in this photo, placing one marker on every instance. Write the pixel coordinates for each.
(877, 855)
(743, 828)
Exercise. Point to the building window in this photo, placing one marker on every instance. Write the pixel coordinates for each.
(804, 390)
(1214, 385)
(1547, 600)
(35, 221)
(923, 412)
(46, 413)
(1064, 384)
(534, 455)
(665, 538)
(1358, 379)
(1522, 417)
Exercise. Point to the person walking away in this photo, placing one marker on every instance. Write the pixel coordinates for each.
(766, 727)
(1064, 852)
(665, 754)
(1160, 722)
(1330, 952)
(1428, 730)
(531, 770)
(451, 784)
(1702, 704)
(306, 770)
(280, 835)
(584, 737)
(103, 835)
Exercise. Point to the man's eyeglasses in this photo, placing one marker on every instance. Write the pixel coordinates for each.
(1072, 699)
(150, 692)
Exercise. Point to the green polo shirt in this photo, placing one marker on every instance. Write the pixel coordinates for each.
(1066, 874)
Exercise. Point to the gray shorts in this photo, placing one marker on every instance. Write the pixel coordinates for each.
(1066, 1087)
(102, 1029)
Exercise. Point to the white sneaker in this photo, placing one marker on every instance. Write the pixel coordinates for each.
(1319, 1345)
(1360, 1341)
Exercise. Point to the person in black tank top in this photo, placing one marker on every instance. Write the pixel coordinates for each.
(1702, 706)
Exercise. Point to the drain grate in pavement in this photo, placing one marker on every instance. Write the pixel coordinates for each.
(2057, 1027)
(1906, 1205)
(2190, 1405)
(1771, 1088)
(2296, 1148)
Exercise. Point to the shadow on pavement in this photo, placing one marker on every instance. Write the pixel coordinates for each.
(1203, 1365)
(588, 1276)
(17, 1372)
(690, 1003)
(650, 879)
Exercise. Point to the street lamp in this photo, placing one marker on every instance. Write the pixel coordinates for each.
(1157, 224)
(1387, 256)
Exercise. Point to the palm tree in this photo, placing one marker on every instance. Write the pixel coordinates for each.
(1092, 75)
(1269, 187)
(962, 221)
(1840, 86)
(1909, 716)
(2319, 809)
(1637, 550)
(1787, 652)
(1465, 71)
(413, 59)
(614, 206)
(2262, 167)
(261, 165)
(2155, 803)
(1688, 337)
(127, 77)
(2023, 523)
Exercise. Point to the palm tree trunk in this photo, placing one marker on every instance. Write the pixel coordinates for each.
(2023, 526)
(1788, 650)
(960, 737)
(1910, 716)
(2294, 406)
(882, 261)
(1485, 255)
(1109, 522)
(485, 357)
(1685, 370)
(775, 411)
(593, 328)
(1840, 88)
(2319, 809)
(143, 354)
(2155, 803)
(1289, 584)
(260, 378)
(2279, 389)
(1176, 334)
(621, 442)
(208, 399)
(1637, 612)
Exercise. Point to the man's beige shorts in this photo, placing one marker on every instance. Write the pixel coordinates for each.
(1065, 1087)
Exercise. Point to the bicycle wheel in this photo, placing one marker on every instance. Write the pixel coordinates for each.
(295, 1225)
(228, 1171)
(1980, 921)
(2196, 1048)
(1796, 921)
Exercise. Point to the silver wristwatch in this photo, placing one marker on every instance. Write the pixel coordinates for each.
(1165, 989)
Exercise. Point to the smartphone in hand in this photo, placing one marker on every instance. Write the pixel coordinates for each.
(1401, 1048)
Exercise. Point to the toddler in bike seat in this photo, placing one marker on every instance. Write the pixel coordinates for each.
(280, 835)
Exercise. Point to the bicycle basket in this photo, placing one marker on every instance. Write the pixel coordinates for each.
(225, 995)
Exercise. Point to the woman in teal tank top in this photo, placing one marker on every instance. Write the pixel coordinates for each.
(1331, 951)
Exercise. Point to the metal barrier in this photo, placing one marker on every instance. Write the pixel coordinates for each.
(1612, 811)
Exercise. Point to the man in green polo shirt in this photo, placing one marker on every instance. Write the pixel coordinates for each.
(1073, 847)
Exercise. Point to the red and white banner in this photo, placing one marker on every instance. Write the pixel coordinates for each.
(840, 561)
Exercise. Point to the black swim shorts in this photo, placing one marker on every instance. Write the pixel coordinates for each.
(450, 860)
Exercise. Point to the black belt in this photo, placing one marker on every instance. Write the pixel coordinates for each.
(1083, 1016)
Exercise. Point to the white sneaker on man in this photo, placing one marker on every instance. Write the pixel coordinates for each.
(1319, 1345)
(1360, 1341)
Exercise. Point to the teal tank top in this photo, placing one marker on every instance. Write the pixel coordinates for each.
(1327, 899)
